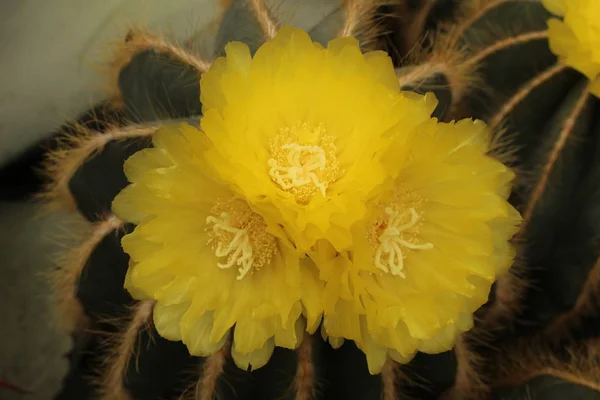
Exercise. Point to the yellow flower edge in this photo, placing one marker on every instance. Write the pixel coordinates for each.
(207, 258)
(425, 257)
(300, 129)
(575, 38)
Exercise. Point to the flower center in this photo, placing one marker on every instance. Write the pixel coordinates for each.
(392, 235)
(303, 161)
(238, 235)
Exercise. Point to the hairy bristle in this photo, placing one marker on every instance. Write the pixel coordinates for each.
(563, 136)
(115, 366)
(268, 25)
(415, 29)
(503, 148)
(500, 315)
(139, 40)
(361, 20)
(586, 304)
(468, 384)
(470, 12)
(70, 265)
(388, 380)
(304, 382)
(578, 363)
(212, 370)
(500, 45)
(525, 90)
(73, 151)
(443, 60)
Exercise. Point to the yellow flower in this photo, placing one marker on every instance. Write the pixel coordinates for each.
(208, 258)
(300, 129)
(576, 38)
(429, 249)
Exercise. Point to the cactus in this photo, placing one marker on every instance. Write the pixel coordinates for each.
(490, 60)
(538, 327)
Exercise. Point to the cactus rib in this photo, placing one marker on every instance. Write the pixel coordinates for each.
(505, 43)
(519, 96)
(564, 135)
(359, 16)
(479, 9)
(579, 365)
(468, 382)
(263, 16)
(213, 368)
(305, 372)
(112, 384)
(388, 380)
(64, 279)
(61, 164)
(585, 304)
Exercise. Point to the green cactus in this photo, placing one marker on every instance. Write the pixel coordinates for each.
(492, 62)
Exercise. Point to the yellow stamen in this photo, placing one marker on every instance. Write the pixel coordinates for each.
(303, 161)
(239, 235)
(388, 255)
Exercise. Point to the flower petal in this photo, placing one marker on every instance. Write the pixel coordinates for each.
(254, 359)
(167, 319)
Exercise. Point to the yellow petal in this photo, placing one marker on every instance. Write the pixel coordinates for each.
(135, 292)
(251, 334)
(376, 354)
(195, 332)
(290, 338)
(255, 359)
(167, 319)
(138, 165)
(556, 7)
(312, 295)
(335, 342)
(595, 87)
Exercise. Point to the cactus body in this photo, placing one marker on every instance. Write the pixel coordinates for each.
(505, 75)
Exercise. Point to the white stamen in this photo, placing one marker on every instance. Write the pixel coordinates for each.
(389, 256)
(299, 174)
(238, 251)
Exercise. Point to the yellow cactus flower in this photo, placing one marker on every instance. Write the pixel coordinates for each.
(300, 130)
(208, 257)
(575, 38)
(429, 249)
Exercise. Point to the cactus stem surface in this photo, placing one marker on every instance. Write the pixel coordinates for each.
(580, 366)
(509, 293)
(413, 35)
(65, 278)
(478, 8)
(140, 41)
(519, 96)
(213, 368)
(388, 380)
(305, 372)
(468, 383)
(268, 25)
(586, 304)
(557, 373)
(61, 164)
(564, 135)
(112, 386)
(505, 43)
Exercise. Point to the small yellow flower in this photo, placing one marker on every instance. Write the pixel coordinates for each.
(429, 249)
(208, 258)
(300, 129)
(576, 38)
